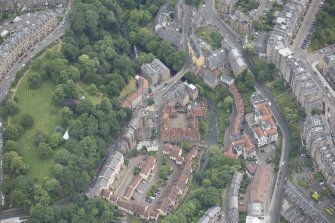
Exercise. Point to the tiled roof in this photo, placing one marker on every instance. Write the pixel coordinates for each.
(147, 165)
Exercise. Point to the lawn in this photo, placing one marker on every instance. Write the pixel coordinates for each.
(131, 86)
(210, 36)
(95, 99)
(38, 103)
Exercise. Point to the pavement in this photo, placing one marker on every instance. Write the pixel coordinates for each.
(306, 205)
(305, 25)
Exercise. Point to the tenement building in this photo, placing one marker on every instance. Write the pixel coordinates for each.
(320, 145)
(24, 35)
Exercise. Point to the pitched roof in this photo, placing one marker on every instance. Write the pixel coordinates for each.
(147, 164)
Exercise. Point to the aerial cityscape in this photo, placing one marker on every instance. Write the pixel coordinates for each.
(172, 111)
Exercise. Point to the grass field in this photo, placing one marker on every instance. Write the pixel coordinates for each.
(131, 86)
(95, 99)
(38, 103)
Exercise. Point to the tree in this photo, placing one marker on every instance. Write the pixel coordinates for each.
(137, 170)
(12, 107)
(66, 115)
(249, 80)
(41, 213)
(52, 186)
(41, 196)
(34, 81)
(92, 89)
(13, 132)
(10, 145)
(55, 140)
(59, 95)
(70, 90)
(84, 106)
(13, 164)
(164, 172)
(20, 199)
(76, 129)
(44, 151)
(186, 146)
(27, 121)
(150, 101)
(40, 137)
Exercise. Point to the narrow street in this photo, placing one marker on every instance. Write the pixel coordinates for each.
(212, 132)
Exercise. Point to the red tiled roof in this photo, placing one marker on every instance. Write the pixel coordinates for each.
(126, 104)
(164, 205)
(113, 198)
(147, 165)
(175, 152)
(143, 85)
(229, 153)
(259, 132)
(106, 193)
(239, 107)
(126, 205)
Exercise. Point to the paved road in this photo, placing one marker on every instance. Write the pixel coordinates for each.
(306, 205)
(212, 137)
(236, 41)
(12, 213)
(305, 25)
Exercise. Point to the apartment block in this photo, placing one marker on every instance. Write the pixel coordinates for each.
(195, 51)
(181, 93)
(320, 145)
(237, 62)
(107, 175)
(226, 6)
(155, 72)
(315, 126)
(264, 127)
(240, 22)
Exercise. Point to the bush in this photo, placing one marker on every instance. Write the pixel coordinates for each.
(26, 121)
(34, 81)
(137, 170)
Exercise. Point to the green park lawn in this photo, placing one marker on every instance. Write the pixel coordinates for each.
(38, 103)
